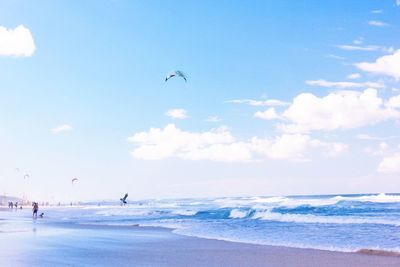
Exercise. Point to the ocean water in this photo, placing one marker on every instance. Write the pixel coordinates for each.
(330, 222)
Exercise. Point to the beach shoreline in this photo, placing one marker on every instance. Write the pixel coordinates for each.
(363, 251)
(49, 243)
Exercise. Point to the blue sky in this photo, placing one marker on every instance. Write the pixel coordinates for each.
(96, 69)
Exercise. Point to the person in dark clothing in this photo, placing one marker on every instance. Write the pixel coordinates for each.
(35, 209)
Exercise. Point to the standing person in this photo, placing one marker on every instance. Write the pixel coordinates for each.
(35, 209)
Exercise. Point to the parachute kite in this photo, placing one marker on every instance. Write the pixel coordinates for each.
(176, 73)
(74, 180)
(123, 200)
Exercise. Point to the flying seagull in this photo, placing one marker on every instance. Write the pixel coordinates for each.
(176, 73)
(123, 200)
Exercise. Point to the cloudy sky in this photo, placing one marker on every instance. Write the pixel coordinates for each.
(283, 97)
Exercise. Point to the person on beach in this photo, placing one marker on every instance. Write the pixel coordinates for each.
(35, 209)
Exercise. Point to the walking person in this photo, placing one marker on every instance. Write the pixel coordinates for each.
(35, 209)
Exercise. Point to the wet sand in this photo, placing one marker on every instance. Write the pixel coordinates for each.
(43, 243)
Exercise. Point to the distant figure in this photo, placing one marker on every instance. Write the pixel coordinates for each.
(35, 209)
(16, 205)
(10, 204)
(123, 200)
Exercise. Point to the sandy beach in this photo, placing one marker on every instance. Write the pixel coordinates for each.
(42, 242)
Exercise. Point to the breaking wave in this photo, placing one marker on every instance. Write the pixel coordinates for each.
(300, 218)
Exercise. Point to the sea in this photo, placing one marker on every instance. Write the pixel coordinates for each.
(329, 222)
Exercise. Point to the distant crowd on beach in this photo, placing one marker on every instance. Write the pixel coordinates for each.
(35, 208)
(11, 205)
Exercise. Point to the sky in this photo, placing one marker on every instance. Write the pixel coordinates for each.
(281, 98)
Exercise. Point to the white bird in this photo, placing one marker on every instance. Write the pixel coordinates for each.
(176, 73)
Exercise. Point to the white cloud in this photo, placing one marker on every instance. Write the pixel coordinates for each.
(377, 11)
(383, 146)
(334, 149)
(237, 151)
(377, 23)
(387, 65)
(61, 128)
(293, 147)
(376, 138)
(16, 42)
(337, 110)
(213, 119)
(269, 114)
(258, 103)
(390, 164)
(177, 113)
(366, 48)
(380, 151)
(358, 41)
(171, 141)
(324, 83)
(398, 2)
(335, 57)
(219, 145)
(369, 137)
(354, 76)
(393, 102)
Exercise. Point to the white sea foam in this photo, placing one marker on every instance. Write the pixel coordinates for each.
(269, 199)
(125, 212)
(237, 214)
(188, 232)
(316, 202)
(380, 198)
(277, 201)
(231, 202)
(184, 212)
(301, 218)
